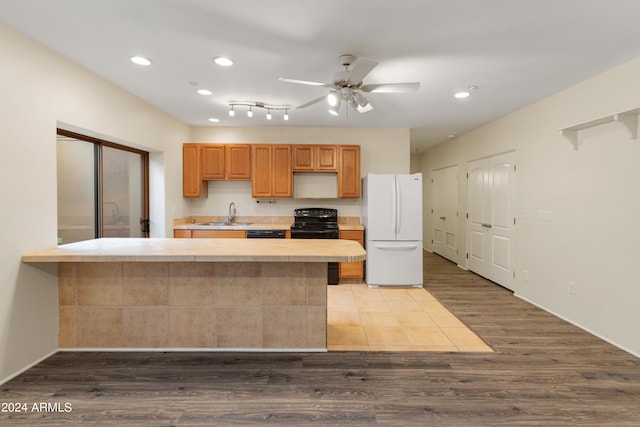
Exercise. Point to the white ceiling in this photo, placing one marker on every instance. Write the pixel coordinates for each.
(516, 51)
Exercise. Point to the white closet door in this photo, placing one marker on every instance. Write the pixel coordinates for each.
(445, 208)
(491, 228)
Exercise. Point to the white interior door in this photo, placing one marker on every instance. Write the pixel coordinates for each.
(478, 210)
(445, 209)
(491, 192)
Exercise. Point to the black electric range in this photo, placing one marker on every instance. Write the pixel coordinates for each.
(317, 223)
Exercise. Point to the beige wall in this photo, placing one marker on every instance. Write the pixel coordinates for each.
(382, 151)
(42, 90)
(592, 193)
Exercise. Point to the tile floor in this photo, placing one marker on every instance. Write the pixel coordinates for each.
(400, 319)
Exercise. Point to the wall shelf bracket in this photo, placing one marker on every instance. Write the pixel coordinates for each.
(628, 119)
(630, 122)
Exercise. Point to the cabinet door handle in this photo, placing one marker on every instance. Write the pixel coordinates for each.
(443, 218)
(486, 225)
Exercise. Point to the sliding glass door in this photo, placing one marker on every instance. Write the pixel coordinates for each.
(102, 189)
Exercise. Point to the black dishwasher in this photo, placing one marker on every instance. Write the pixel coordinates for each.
(266, 234)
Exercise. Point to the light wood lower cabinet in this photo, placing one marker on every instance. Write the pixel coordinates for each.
(352, 270)
(229, 234)
(181, 234)
(219, 234)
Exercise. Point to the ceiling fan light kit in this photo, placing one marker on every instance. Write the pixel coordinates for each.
(347, 85)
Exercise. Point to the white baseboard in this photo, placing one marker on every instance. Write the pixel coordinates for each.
(29, 366)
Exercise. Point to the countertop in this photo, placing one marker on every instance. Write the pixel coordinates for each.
(255, 223)
(201, 250)
(255, 226)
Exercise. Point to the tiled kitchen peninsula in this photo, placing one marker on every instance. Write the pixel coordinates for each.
(226, 294)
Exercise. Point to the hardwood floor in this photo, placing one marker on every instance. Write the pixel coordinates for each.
(543, 371)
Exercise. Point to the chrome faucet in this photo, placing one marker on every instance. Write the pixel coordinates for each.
(232, 212)
(115, 213)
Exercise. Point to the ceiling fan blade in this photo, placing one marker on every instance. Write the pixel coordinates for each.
(304, 82)
(359, 69)
(315, 101)
(391, 87)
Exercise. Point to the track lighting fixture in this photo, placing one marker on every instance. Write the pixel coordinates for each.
(253, 105)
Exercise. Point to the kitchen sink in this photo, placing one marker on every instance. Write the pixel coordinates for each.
(227, 224)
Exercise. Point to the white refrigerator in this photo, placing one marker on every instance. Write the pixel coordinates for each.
(392, 216)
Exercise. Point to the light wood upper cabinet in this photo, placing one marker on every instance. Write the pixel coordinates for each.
(226, 161)
(315, 158)
(271, 172)
(238, 161)
(282, 173)
(349, 171)
(213, 164)
(270, 167)
(192, 185)
(303, 158)
(207, 162)
(327, 158)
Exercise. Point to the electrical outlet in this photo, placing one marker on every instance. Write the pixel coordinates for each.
(545, 216)
(572, 288)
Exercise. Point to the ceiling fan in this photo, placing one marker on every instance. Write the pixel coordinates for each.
(347, 86)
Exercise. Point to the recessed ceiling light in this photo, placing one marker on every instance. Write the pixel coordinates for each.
(223, 61)
(214, 120)
(140, 60)
(465, 93)
(204, 92)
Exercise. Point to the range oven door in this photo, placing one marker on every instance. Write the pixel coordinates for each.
(333, 267)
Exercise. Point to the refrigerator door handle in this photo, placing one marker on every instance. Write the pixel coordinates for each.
(407, 247)
(394, 207)
(399, 206)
